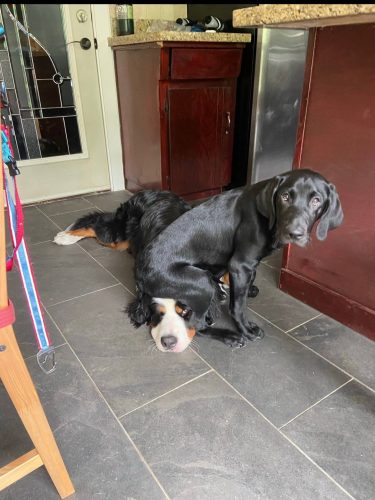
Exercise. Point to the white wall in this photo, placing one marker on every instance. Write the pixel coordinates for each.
(108, 90)
(103, 25)
(165, 12)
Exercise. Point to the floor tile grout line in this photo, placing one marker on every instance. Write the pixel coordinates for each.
(90, 207)
(49, 218)
(38, 243)
(301, 324)
(93, 258)
(278, 430)
(166, 393)
(268, 320)
(332, 363)
(83, 295)
(316, 403)
(142, 458)
(35, 355)
(269, 265)
(315, 352)
(109, 272)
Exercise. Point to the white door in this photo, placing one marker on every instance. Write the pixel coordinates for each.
(53, 90)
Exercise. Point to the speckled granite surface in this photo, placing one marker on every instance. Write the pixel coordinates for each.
(303, 15)
(178, 36)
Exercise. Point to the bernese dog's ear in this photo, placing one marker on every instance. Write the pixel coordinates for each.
(139, 311)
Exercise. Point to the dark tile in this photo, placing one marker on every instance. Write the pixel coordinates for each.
(64, 206)
(98, 455)
(122, 361)
(279, 376)
(64, 272)
(274, 260)
(338, 434)
(23, 326)
(341, 345)
(205, 442)
(281, 309)
(119, 263)
(37, 226)
(108, 202)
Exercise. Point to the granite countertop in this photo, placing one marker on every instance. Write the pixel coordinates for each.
(179, 36)
(303, 15)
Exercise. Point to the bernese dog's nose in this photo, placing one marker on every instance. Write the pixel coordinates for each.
(169, 341)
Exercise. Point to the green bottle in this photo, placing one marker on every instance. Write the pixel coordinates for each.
(125, 21)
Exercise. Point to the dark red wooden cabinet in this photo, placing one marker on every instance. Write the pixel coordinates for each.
(337, 138)
(177, 105)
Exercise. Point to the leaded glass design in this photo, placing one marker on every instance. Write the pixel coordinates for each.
(35, 69)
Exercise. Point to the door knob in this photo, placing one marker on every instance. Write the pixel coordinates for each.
(85, 43)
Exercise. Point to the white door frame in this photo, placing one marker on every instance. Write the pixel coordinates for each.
(108, 91)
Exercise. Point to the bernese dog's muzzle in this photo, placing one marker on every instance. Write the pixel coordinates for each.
(170, 325)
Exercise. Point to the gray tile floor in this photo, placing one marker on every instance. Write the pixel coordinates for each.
(290, 417)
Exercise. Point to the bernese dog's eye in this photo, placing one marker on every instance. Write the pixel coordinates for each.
(157, 309)
(285, 196)
(183, 311)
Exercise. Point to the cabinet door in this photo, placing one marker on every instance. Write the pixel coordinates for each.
(200, 137)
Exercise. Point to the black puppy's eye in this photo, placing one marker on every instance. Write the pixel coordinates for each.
(315, 201)
(285, 196)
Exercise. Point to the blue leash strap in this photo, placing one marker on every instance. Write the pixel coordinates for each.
(46, 354)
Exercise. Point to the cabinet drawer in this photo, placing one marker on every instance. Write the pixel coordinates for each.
(194, 64)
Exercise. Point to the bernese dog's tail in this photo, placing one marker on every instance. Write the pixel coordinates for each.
(112, 229)
(121, 229)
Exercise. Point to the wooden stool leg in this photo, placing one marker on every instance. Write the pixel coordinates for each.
(17, 381)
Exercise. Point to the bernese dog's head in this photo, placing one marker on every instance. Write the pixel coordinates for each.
(170, 326)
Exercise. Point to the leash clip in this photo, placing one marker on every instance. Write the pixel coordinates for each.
(12, 166)
(46, 360)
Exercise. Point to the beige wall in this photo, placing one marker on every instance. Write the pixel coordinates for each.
(166, 12)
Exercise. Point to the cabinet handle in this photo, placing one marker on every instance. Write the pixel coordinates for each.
(227, 114)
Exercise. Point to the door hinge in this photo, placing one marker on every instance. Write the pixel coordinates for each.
(95, 43)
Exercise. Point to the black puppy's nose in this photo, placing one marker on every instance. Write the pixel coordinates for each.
(297, 234)
(169, 341)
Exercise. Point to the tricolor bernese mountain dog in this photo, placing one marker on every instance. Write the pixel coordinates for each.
(132, 227)
(233, 232)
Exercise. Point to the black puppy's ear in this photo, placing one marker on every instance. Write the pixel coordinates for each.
(265, 200)
(139, 311)
(332, 215)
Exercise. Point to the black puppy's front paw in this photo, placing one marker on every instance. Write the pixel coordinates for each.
(254, 332)
(253, 291)
(236, 341)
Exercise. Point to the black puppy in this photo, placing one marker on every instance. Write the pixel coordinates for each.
(232, 231)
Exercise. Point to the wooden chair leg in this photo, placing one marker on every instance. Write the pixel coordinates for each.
(17, 381)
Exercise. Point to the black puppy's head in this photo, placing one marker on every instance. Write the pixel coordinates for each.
(294, 201)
